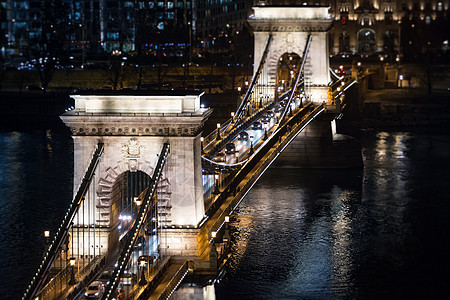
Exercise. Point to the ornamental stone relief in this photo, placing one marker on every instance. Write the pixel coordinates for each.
(133, 149)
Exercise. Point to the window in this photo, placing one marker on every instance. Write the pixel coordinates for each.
(160, 26)
(439, 6)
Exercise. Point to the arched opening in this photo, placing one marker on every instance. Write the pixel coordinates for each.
(287, 68)
(366, 41)
(124, 207)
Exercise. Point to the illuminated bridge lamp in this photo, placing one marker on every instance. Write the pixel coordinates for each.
(72, 280)
(143, 280)
(236, 154)
(227, 219)
(137, 201)
(232, 117)
(213, 234)
(216, 184)
(251, 145)
(218, 132)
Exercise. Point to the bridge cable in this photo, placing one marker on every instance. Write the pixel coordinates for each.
(241, 109)
(297, 81)
(60, 237)
(132, 236)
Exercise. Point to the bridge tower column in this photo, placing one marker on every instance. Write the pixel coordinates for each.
(289, 27)
(133, 128)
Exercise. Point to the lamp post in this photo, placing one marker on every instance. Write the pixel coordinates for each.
(72, 280)
(236, 154)
(232, 117)
(218, 132)
(251, 145)
(47, 236)
(216, 184)
(265, 132)
(226, 235)
(143, 281)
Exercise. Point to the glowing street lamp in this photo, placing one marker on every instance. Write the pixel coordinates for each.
(265, 132)
(216, 184)
(143, 281)
(236, 154)
(72, 280)
(251, 145)
(218, 132)
(137, 201)
(232, 117)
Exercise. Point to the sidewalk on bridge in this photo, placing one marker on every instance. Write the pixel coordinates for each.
(168, 275)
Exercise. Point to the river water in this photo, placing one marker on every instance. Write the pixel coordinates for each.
(376, 233)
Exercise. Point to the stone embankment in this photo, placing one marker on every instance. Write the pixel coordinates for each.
(406, 108)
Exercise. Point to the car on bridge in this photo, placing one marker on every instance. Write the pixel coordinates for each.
(220, 157)
(256, 126)
(243, 136)
(95, 290)
(140, 243)
(230, 148)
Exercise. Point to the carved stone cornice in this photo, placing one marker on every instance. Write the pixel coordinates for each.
(290, 25)
(135, 124)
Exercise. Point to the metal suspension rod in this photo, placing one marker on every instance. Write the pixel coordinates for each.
(50, 256)
(241, 109)
(297, 81)
(132, 236)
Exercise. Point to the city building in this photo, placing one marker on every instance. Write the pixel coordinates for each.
(179, 28)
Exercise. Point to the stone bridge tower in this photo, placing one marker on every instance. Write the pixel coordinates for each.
(289, 27)
(133, 127)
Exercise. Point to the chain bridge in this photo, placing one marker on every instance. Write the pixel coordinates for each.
(153, 194)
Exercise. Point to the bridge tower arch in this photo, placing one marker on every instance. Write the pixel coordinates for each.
(133, 128)
(289, 27)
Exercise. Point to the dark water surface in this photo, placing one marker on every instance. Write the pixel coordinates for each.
(377, 233)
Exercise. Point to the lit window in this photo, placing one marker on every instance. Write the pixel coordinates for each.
(439, 6)
(427, 19)
(161, 26)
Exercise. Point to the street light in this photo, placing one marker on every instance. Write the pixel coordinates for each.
(137, 201)
(265, 132)
(47, 236)
(251, 145)
(216, 184)
(143, 281)
(236, 154)
(232, 117)
(72, 280)
(218, 132)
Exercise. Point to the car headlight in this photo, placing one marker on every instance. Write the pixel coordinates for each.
(86, 294)
(96, 294)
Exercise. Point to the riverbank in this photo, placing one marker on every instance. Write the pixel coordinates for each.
(406, 109)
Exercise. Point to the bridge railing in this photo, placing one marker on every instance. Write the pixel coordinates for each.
(52, 252)
(174, 282)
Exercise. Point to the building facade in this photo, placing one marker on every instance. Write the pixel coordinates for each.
(170, 27)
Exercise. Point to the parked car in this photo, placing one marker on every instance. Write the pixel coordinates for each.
(243, 136)
(94, 290)
(230, 148)
(256, 126)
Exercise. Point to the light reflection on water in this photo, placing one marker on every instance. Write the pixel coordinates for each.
(348, 234)
(378, 233)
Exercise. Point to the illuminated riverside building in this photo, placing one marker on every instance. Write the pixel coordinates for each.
(360, 26)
